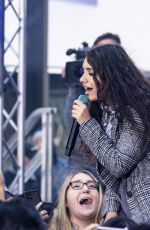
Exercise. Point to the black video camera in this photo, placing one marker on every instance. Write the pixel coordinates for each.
(74, 68)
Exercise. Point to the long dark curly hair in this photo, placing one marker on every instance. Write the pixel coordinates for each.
(120, 84)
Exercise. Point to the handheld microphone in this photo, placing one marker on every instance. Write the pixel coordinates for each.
(74, 129)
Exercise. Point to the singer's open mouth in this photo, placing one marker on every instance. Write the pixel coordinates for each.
(88, 88)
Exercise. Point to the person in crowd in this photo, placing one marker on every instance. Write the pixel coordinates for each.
(116, 129)
(11, 172)
(6, 196)
(45, 209)
(16, 214)
(59, 170)
(107, 38)
(80, 202)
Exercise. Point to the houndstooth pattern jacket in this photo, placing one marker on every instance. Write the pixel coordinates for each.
(122, 162)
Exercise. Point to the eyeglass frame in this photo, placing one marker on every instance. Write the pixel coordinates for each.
(96, 183)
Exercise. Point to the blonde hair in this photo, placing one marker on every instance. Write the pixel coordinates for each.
(60, 219)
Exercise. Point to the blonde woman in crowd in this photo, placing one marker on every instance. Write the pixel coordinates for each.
(80, 203)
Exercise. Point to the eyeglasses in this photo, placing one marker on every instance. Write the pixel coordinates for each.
(77, 185)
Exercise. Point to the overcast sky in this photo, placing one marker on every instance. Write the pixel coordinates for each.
(72, 23)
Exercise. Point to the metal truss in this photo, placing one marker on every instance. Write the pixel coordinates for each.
(13, 127)
(12, 82)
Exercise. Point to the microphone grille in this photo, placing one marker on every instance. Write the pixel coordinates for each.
(84, 99)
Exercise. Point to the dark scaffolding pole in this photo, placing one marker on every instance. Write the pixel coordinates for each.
(1, 75)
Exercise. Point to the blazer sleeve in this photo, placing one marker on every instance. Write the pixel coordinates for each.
(120, 156)
(111, 202)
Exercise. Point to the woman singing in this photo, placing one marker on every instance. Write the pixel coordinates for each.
(116, 130)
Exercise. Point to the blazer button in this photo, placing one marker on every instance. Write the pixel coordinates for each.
(129, 194)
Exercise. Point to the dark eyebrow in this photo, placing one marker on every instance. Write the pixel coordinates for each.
(88, 68)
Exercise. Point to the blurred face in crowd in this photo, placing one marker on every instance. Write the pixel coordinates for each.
(107, 41)
(82, 197)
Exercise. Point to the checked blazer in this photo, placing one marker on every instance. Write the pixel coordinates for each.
(123, 164)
